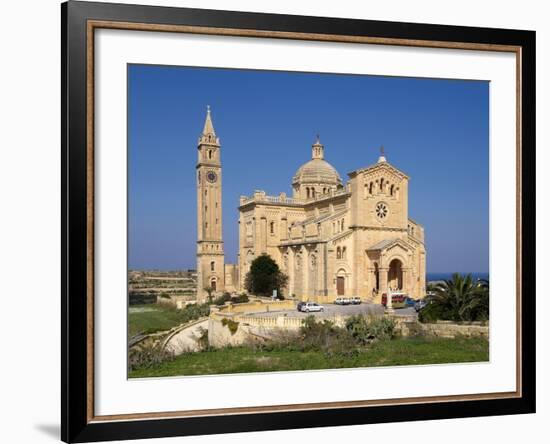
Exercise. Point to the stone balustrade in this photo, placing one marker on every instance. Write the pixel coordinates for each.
(282, 199)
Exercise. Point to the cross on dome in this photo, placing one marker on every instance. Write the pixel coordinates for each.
(382, 157)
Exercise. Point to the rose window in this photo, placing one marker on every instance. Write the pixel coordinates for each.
(381, 210)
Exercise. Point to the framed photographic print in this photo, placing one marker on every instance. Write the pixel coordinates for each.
(276, 221)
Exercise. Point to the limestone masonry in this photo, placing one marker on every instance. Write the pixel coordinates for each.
(331, 238)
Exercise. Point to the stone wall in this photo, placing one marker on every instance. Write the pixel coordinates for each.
(259, 306)
(451, 330)
(255, 327)
(409, 326)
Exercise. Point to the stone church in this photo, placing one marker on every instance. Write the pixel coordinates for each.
(331, 238)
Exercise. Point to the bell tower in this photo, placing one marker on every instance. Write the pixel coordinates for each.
(210, 254)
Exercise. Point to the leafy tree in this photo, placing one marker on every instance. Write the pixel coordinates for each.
(459, 299)
(222, 299)
(265, 276)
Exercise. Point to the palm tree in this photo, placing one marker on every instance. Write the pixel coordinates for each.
(209, 291)
(461, 298)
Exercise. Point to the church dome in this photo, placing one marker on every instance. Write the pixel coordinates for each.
(317, 171)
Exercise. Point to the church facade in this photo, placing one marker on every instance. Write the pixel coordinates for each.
(331, 238)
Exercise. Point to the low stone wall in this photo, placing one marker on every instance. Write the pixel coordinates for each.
(452, 330)
(255, 327)
(258, 306)
(220, 335)
(252, 327)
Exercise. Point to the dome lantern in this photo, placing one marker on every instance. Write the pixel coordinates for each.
(317, 149)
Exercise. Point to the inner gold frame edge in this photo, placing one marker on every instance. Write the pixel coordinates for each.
(92, 25)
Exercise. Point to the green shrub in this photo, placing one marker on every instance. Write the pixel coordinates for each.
(226, 297)
(141, 298)
(382, 328)
(365, 330)
(232, 325)
(326, 337)
(202, 339)
(240, 299)
(147, 356)
(193, 311)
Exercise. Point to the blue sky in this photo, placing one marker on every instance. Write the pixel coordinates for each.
(436, 131)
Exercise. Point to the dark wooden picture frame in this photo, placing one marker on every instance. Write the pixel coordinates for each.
(79, 20)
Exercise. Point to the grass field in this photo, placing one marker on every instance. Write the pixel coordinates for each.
(152, 318)
(399, 351)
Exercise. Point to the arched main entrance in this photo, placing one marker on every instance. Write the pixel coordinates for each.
(395, 275)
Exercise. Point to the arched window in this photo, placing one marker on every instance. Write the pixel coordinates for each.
(382, 184)
(313, 192)
(206, 225)
(344, 253)
(307, 192)
(338, 253)
(370, 188)
(391, 190)
(272, 227)
(206, 208)
(210, 154)
(212, 266)
(206, 192)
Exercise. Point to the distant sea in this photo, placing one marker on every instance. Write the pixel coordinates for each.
(447, 276)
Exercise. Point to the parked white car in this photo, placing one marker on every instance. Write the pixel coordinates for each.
(342, 301)
(356, 300)
(312, 306)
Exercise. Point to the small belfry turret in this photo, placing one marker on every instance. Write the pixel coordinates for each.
(210, 253)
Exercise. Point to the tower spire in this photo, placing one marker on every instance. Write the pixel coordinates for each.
(317, 149)
(208, 125)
